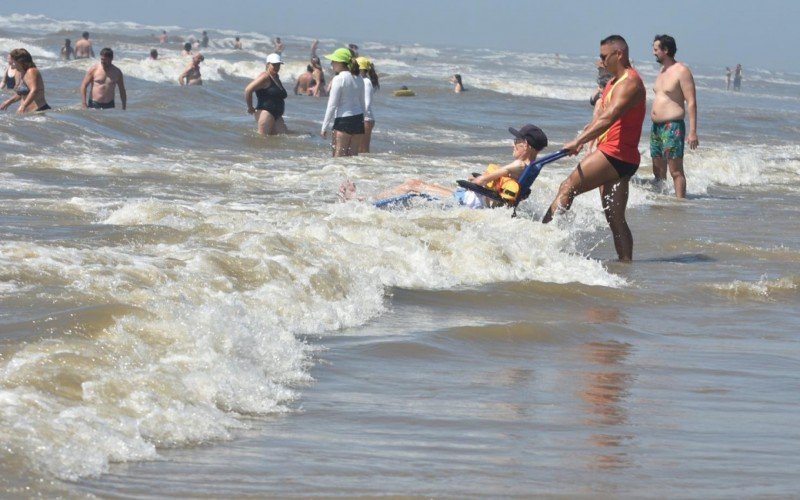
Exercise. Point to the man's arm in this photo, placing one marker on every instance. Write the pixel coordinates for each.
(686, 81)
(123, 95)
(626, 95)
(87, 80)
(185, 75)
(513, 169)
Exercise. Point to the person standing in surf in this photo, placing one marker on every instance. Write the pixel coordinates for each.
(674, 85)
(104, 79)
(617, 126)
(271, 96)
(30, 85)
(346, 105)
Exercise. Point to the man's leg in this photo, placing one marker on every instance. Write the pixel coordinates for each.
(678, 177)
(592, 172)
(416, 186)
(660, 169)
(614, 196)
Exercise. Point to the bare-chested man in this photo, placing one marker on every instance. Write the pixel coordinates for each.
(104, 78)
(304, 82)
(278, 46)
(617, 126)
(191, 76)
(674, 86)
(83, 47)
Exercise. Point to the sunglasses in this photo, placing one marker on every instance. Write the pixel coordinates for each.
(604, 56)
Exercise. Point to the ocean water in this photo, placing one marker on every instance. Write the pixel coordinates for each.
(187, 310)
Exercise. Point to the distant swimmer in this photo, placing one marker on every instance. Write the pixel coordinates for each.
(163, 38)
(728, 73)
(617, 126)
(204, 40)
(153, 54)
(83, 48)
(237, 44)
(67, 52)
(737, 78)
(9, 75)
(529, 140)
(319, 88)
(459, 85)
(104, 79)
(345, 111)
(354, 49)
(278, 46)
(29, 87)
(271, 96)
(603, 76)
(304, 82)
(674, 85)
(191, 75)
(371, 85)
(187, 49)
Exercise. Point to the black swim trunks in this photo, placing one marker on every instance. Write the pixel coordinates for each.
(623, 168)
(349, 124)
(43, 107)
(101, 105)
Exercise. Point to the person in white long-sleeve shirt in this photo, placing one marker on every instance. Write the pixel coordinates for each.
(346, 105)
(371, 85)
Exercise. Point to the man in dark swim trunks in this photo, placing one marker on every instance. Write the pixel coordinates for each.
(617, 126)
(104, 78)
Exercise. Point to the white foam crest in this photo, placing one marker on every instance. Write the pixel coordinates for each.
(427, 247)
(535, 87)
(417, 50)
(43, 24)
(9, 44)
(763, 289)
(726, 165)
(208, 346)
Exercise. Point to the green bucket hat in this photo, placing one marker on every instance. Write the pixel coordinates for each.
(342, 55)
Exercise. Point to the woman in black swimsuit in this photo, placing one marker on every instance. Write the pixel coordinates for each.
(9, 80)
(271, 95)
(30, 89)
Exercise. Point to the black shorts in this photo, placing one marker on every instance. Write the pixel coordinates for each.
(101, 105)
(349, 124)
(44, 107)
(623, 168)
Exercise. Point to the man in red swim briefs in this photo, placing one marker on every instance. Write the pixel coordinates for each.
(617, 126)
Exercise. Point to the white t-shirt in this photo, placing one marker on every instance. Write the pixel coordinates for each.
(346, 98)
(369, 91)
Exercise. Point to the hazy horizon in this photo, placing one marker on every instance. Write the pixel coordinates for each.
(714, 33)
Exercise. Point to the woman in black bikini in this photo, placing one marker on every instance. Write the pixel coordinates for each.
(271, 95)
(30, 86)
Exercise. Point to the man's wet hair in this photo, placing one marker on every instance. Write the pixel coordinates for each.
(667, 44)
(85, 34)
(107, 52)
(187, 46)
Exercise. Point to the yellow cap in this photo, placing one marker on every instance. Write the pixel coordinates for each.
(363, 63)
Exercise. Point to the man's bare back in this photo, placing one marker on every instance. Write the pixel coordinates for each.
(83, 49)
